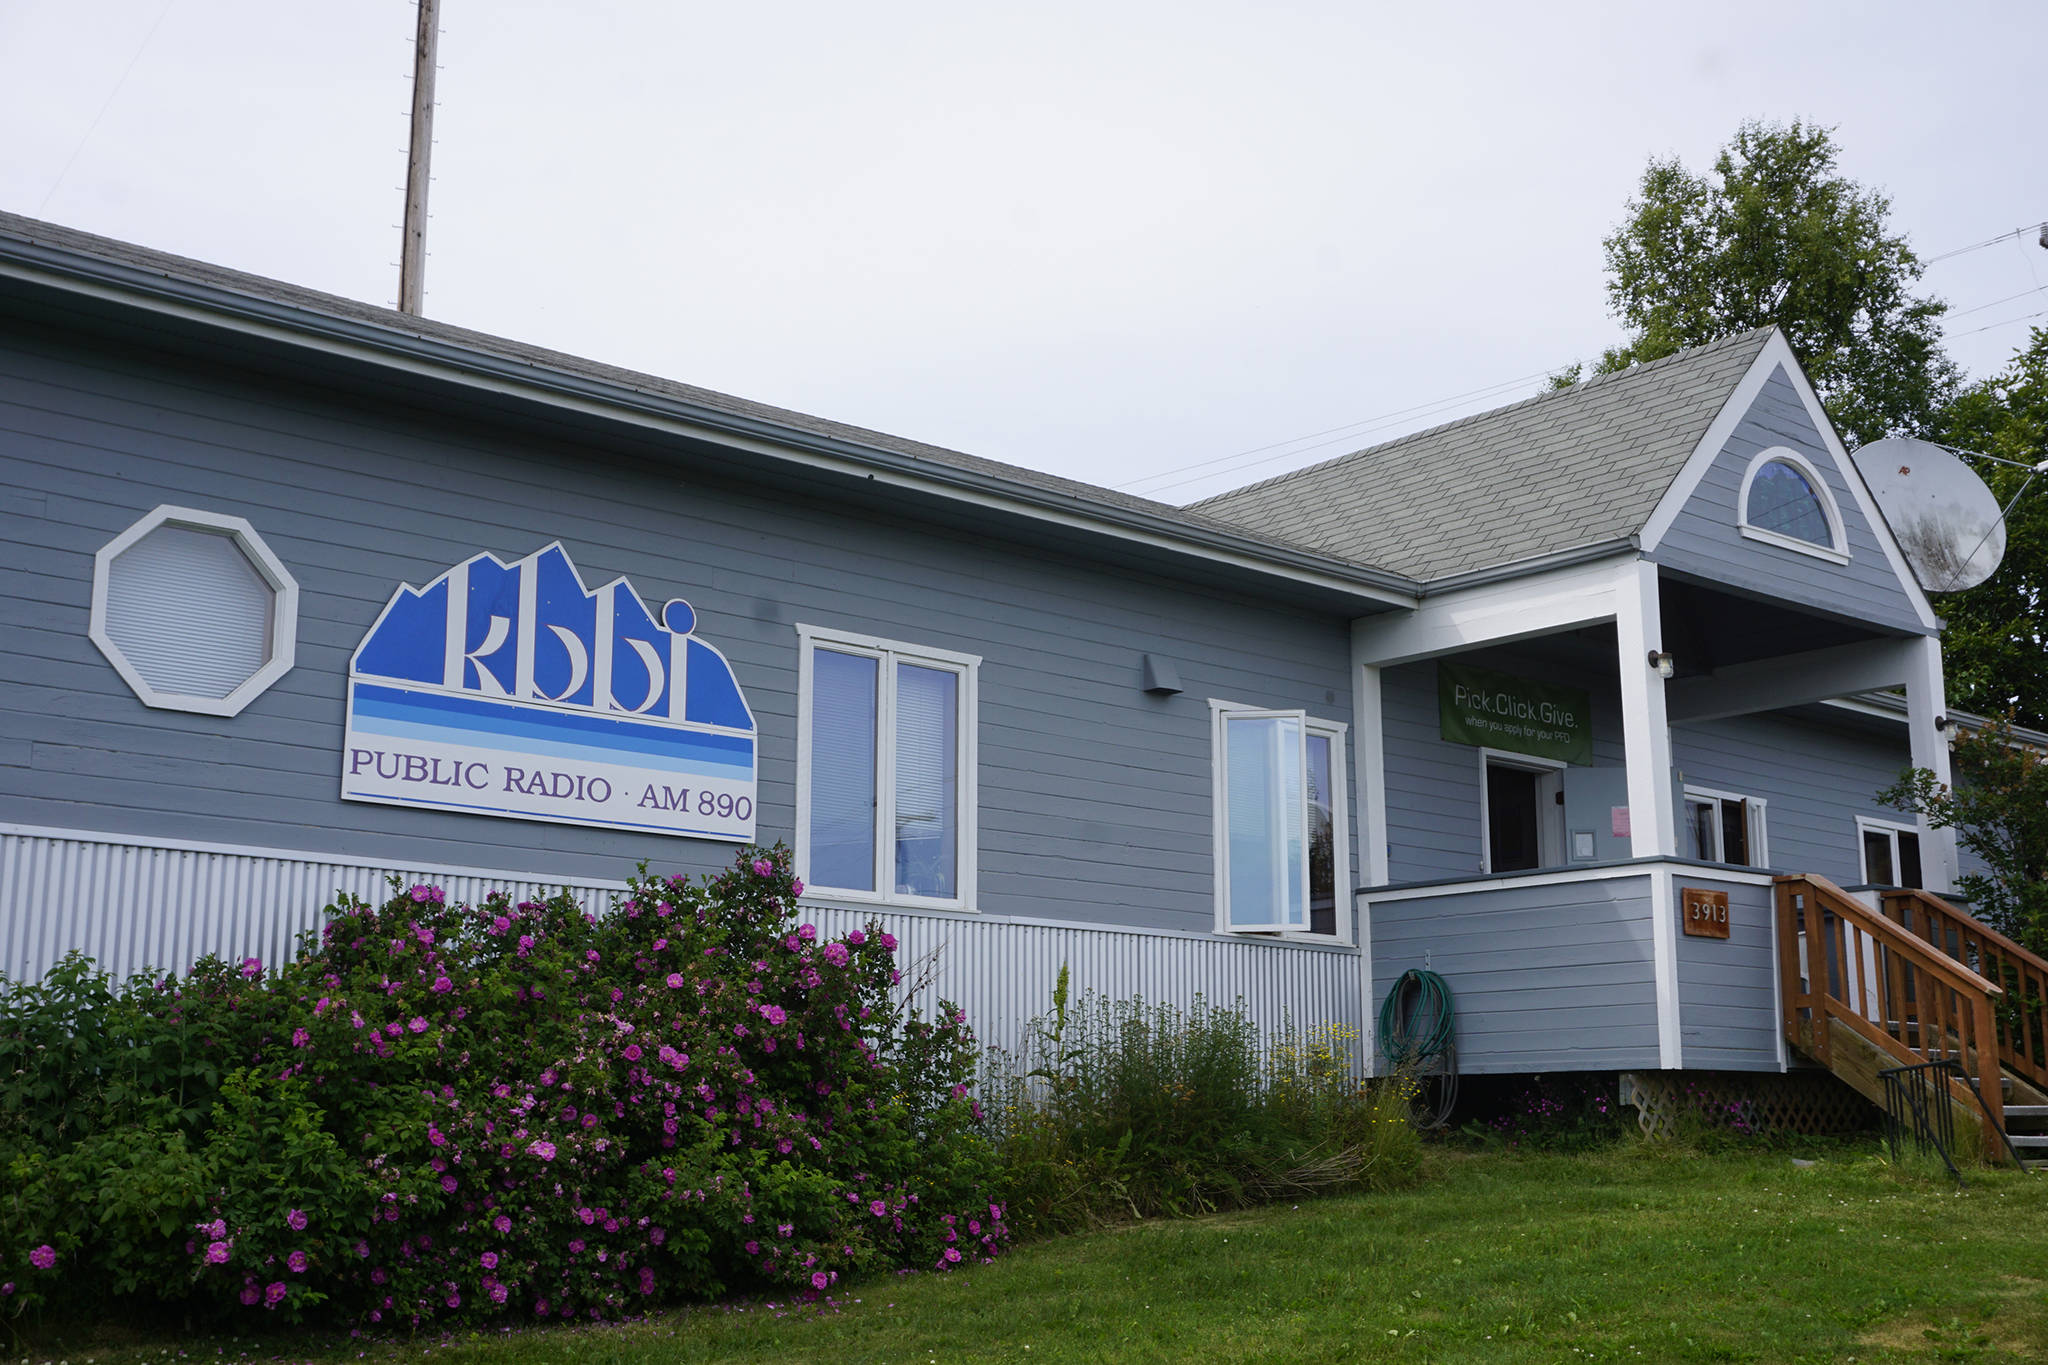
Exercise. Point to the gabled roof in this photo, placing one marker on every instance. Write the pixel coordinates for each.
(288, 315)
(1568, 469)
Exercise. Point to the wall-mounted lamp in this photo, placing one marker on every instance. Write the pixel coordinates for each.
(1941, 722)
(1663, 663)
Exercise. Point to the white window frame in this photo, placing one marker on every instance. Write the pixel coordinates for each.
(888, 653)
(1836, 551)
(284, 610)
(1346, 882)
(1759, 823)
(1892, 829)
(1551, 835)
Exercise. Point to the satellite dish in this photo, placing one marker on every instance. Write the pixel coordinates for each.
(1943, 516)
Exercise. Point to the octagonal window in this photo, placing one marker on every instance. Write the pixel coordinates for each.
(194, 611)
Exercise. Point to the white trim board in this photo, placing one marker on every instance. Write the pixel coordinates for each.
(1563, 875)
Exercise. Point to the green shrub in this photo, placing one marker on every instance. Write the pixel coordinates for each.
(1119, 1109)
(437, 1112)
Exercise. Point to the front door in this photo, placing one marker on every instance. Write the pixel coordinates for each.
(1524, 816)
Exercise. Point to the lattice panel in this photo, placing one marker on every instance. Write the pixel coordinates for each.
(1744, 1101)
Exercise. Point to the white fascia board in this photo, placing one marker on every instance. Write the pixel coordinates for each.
(1792, 680)
(1493, 613)
(1776, 354)
(286, 324)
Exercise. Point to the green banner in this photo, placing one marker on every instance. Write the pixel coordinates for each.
(1500, 711)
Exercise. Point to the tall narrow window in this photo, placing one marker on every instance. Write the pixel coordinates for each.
(885, 806)
(1282, 829)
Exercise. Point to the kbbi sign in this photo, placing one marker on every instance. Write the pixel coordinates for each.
(1705, 912)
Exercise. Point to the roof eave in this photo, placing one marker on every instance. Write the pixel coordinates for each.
(306, 328)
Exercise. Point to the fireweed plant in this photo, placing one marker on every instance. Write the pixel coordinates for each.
(448, 1113)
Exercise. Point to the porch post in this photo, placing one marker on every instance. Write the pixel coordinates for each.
(1926, 698)
(1369, 799)
(1645, 729)
(1653, 823)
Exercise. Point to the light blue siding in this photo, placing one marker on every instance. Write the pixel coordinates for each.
(1095, 798)
(1727, 989)
(1704, 541)
(1433, 783)
(1543, 978)
(1816, 777)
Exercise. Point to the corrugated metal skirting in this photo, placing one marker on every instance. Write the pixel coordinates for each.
(135, 905)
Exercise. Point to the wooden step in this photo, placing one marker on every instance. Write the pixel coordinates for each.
(2026, 1140)
(2026, 1111)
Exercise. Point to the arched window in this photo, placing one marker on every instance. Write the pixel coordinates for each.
(1785, 501)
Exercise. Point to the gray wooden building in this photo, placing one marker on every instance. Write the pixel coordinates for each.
(301, 593)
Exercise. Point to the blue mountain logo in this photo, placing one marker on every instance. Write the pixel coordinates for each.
(530, 631)
(511, 689)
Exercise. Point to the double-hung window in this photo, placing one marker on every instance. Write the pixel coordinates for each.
(885, 770)
(1722, 827)
(1282, 827)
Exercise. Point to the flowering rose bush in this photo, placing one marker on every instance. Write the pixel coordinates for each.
(444, 1112)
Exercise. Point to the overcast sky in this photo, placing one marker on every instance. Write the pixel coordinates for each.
(1109, 240)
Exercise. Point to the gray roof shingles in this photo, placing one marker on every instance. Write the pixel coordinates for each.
(1570, 468)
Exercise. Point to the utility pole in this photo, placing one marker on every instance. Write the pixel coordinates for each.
(412, 260)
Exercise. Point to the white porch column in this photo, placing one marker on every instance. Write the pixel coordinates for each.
(1645, 729)
(1926, 698)
(1369, 797)
(1653, 823)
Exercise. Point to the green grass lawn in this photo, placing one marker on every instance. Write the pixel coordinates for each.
(1636, 1253)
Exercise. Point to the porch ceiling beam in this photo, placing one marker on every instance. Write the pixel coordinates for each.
(1792, 680)
(1492, 613)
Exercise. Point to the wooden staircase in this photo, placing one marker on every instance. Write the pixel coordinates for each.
(1919, 981)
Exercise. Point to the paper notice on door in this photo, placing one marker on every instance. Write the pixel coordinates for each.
(1621, 825)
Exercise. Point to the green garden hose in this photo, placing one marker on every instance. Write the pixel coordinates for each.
(1418, 1038)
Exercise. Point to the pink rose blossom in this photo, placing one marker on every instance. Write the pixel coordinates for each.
(763, 868)
(418, 1025)
(798, 886)
(295, 1219)
(490, 1260)
(296, 1262)
(274, 1295)
(43, 1257)
(251, 968)
(675, 981)
(835, 953)
(217, 1253)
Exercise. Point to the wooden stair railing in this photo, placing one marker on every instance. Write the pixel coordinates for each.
(1844, 967)
(2023, 1014)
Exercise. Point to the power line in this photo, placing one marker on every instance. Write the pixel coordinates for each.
(128, 71)
(1979, 246)
(1965, 312)
(1210, 468)
(2038, 312)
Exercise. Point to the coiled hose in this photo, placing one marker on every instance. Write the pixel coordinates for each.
(1418, 1038)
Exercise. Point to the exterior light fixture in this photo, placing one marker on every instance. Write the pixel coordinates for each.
(1941, 722)
(1663, 663)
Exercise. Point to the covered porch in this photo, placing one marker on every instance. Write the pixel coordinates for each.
(1540, 859)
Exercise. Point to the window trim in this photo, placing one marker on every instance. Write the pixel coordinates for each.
(284, 610)
(889, 652)
(1552, 831)
(1338, 733)
(1759, 823)
(1867, 824)
(1836, 551)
